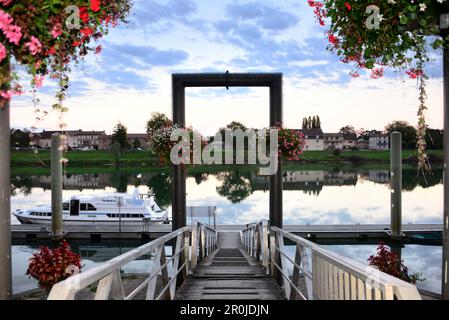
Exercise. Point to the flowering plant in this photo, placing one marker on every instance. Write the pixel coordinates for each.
(161, 144)
(45, 36)
(50, 266)
(386, 33)
(290, 144)
(388, 262)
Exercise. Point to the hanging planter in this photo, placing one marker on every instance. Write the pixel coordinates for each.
(382, 34)
(46, 36)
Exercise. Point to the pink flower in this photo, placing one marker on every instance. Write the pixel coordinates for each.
(5, 2)
(13, 33)
(34, 45)
(6, 94)
(5, 19)
(38, 80)
(57, 31)
(2, 52)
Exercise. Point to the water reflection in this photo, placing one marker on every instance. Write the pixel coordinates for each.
(326, 196)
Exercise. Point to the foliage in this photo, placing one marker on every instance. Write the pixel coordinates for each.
(347, 130)
(311, 123)
(161, 186)
(50, 266)
(120, 135)
(388, 262)
(290, 143)
(20, 138)
(116, 151)
(435, 139)
(136, 143)
(46, 36)
(235, 187)
(408, 132)
(157, 121)
(234, 125)
(386, 34)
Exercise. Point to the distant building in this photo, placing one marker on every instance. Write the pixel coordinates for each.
(314, 139)
(104, 142)
(362, 144)
(75, 139)
(350, 141)
(334, 141)
(379, 142)
(141, 137)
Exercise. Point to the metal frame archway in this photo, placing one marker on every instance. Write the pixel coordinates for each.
(182, 81)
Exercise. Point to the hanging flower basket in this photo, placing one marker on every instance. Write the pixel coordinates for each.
(382, 34)
(46, 36)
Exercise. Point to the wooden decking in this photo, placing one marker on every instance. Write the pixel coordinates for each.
(229, 274)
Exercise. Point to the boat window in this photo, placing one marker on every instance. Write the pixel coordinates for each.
(83, 207)
(65, 206)
(90, 207)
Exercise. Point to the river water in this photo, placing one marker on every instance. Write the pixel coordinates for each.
(317, 196)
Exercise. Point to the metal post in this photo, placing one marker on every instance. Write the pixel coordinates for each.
(445, 269)
(396, 183)
(5, 200)
(56, 186)
(276, 187)
(178, 171)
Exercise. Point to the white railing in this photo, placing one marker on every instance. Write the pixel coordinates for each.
(191, 246)
(314, 273)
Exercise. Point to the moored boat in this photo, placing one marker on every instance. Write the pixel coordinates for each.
(104, 209)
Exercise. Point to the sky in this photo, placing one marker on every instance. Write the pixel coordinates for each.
(131, 78)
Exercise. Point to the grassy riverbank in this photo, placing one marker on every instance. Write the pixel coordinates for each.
(146, 158)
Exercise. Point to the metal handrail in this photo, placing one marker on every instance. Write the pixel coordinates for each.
(326, 275)
(192, 245)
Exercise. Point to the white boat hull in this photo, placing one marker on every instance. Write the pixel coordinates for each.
(86, 221)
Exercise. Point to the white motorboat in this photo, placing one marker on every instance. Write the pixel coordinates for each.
(104, 209)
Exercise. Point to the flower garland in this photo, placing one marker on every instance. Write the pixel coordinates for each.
(386, 33)
(46, 36)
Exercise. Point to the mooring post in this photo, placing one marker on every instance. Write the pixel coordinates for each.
(5, 205)
(56, 186)
(396, 183)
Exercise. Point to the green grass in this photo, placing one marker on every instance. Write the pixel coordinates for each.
(140, 160)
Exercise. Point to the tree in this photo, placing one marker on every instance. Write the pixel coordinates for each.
(158, 121)
(136, 143)
(120, 136)
(20, 139)
(435, 139)
(408, 132)
(235, 187)
(311, 122)
(348, 130)
(234, 125)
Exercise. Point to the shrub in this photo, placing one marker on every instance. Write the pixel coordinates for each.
(336, 152)
(388, 262)
(50, 266)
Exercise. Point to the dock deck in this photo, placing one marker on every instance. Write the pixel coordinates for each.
(97, 233)
(229, 274)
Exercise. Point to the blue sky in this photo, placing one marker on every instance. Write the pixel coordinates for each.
(132, 77)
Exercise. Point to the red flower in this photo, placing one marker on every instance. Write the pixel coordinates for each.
(348, 6)
(95, 5)
(87, 32)
(84, 15)
(98, 49)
